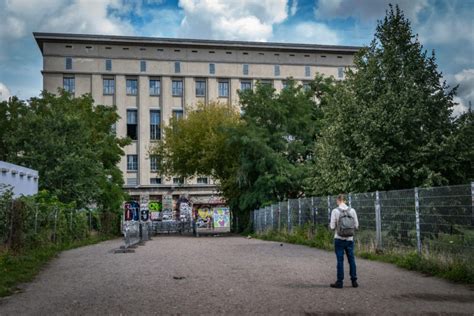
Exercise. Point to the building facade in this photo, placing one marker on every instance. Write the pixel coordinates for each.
(151, 80)
(22, 180)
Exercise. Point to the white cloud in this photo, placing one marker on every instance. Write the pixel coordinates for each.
(465, 92)
(232, 20)
(294, 7)
(4, 92)
(312, 33)
(366, 10)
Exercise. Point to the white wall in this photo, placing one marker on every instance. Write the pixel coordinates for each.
(23, 180)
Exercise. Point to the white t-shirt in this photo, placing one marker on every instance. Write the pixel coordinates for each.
(335, 217)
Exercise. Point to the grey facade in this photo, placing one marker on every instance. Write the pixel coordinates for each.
(152, 79)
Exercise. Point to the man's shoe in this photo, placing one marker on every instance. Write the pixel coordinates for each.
(336, 285)
(355, 284)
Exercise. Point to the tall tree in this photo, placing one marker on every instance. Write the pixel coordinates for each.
(388, 125)
(70, 142)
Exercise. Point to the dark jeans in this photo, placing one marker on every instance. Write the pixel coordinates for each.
(347, 246)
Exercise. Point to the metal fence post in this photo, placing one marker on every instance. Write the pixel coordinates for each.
(329, 209)
(55, 223)
(279, 216)
(271, 212)
(313, 212)
(417, 221)
(289, 216)
(378, 222)
(265, 218)
(90, 220)
(255, 224)
(36, 219)
(299, 212)
(350, 200)
(472, 203)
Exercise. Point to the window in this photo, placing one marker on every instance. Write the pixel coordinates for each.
(132, 181)
(177, 114)
(132, 86)
(245, 85)
(177, 67)
(132, 124)
(276, 70)
(155, 87)
(142, 65)
(177, 88)
(68, 63)
(155, 125)
(223, 89)
(212, 69)
(307, 71)
(155, 180)
(132, 162)
(200, 88)
(109, 86)
(69, 84)
(202, 180)
(154, 163)
(340, 72)
(178, 180)
(285, 84)
(108, 64)
(245, 69)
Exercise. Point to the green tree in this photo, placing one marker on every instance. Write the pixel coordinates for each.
(70, 142)
(389, 124)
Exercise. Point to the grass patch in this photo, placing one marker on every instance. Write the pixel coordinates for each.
(452, 268)
(16, 268)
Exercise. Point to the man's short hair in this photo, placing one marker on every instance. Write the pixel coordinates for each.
(342, 198)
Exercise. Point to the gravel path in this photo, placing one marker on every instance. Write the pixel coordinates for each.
(226, 275)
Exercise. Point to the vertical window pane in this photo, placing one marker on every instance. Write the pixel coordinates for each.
(245, 85)
(340, 72)
(132, 162)
(69, 84)
(277, 70)
(109, 86)
(155, 125)
(153, 163)
(155, 87)
(108, 64)
(177, 114)
(245, 69)
(177, 67)
(212, 69)
(132, 124)
(68, 63)
(132, 86)
(142, 65)
(177, 87)
(223, 89)
(307, 71)
(200, 88)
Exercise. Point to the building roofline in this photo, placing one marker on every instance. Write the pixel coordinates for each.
(42, 37)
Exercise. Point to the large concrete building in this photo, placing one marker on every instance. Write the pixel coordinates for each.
(152, 79)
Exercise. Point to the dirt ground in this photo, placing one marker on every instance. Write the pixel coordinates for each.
(226, 275)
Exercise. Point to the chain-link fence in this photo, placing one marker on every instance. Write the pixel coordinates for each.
(430, 220)
(27, 223)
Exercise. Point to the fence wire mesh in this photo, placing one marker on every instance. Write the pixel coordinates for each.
(438, 220)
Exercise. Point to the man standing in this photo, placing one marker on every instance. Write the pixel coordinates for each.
(344, 222)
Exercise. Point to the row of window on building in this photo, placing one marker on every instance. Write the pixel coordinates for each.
(212, 68)
(132, 166)
(176, 86)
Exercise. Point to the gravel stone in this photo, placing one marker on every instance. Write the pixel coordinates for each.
(229, 275)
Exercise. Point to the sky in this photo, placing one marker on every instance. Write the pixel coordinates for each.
(444, 26)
